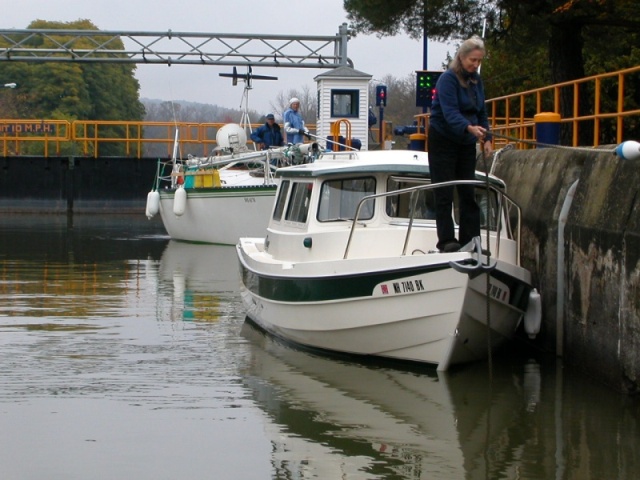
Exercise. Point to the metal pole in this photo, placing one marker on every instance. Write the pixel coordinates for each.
(344, 38)
(425, 45)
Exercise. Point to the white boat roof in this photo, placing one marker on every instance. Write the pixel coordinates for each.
(394, 162)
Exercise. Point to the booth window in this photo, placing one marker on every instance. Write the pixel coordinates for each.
(344, 103)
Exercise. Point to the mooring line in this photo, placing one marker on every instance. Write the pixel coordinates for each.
(551, 145)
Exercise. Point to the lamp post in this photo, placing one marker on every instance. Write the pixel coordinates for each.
(7, 105)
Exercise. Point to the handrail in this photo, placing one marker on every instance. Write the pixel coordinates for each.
(503, 209)
(512, 116)
(516, 112)
(86, 137)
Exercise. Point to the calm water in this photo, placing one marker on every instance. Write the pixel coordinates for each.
(126, 356)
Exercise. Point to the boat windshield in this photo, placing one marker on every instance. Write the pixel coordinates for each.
(292, 202)
(283, 191)
(298, 207)
(339, 199)
(485, 202)
(399, 206)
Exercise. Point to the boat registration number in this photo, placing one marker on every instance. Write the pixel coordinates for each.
(402, 286)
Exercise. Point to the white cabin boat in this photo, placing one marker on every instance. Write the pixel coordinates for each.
(348, 263)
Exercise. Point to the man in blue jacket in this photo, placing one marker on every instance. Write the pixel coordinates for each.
(268, 135)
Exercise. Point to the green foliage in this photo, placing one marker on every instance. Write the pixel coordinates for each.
(62, 90)
(446, 19)
(527, 45)
(530, 44)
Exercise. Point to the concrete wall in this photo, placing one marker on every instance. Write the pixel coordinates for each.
(597, 325)
(75, 184)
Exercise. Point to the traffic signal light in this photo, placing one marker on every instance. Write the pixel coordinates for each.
(381, 95)
(426, 87)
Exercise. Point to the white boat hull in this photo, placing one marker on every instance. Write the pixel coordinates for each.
(218, 215)
(436, 316)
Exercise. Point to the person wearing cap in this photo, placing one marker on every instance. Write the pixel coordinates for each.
(269, 134)
(293, 123)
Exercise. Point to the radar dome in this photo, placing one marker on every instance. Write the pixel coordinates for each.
(232, 136)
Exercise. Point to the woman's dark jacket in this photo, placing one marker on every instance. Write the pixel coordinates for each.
(455, 107)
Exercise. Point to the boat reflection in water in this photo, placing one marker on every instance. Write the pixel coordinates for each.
(372, 421)
(202, 281)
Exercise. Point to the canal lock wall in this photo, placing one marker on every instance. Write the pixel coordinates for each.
(581, 241)
(72, 184)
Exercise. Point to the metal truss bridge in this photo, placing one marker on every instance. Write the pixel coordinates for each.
(175, 48)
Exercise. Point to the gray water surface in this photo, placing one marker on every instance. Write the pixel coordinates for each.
(124, 355)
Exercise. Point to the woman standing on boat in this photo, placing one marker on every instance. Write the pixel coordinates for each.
(458, 121)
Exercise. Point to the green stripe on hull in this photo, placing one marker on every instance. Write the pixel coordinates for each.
(324, 289)
(267, 191)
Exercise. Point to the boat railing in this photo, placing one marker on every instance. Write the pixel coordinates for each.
(217, 162)
(505, 205)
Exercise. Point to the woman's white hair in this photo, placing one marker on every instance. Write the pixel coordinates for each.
(465, 48)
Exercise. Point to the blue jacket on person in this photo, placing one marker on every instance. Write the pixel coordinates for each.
(293, 123)
(270, 136)
(455, 107)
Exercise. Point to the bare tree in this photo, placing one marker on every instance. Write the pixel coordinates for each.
(308, 107)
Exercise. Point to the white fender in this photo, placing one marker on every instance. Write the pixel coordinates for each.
(180, 201)
(153, 204)
(533, 315)
(628, 150)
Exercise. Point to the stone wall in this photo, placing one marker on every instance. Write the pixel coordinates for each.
(597, 327)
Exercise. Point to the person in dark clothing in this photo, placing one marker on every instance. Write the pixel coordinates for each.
(268, 135)
(458, 121)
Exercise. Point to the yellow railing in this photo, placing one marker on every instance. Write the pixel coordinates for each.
(47, 134)
(608, 119)
(88, 137)
(512, 115)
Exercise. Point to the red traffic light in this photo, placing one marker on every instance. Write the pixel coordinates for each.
(381, 95)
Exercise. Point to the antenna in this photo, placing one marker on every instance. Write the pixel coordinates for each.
(245, 121)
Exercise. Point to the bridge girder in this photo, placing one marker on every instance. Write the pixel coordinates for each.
(175, 48)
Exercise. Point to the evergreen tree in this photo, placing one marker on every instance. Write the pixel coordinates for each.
(530, 44)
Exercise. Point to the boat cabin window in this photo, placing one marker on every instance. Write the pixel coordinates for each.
(298, 207)
(400, 205)
(339, 199)
(280, 201)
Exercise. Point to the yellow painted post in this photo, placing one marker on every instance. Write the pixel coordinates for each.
(547, 128)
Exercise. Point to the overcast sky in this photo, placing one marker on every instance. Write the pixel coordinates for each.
(398, 56)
